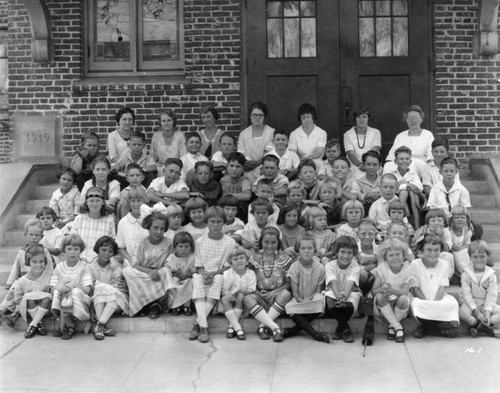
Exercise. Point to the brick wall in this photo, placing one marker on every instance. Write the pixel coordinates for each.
(212, 51)
(4, 101)
(467, 89)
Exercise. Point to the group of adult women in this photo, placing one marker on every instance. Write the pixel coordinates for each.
(308, 140)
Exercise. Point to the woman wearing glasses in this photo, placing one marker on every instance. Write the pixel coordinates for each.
(308, 140)
(253, 140)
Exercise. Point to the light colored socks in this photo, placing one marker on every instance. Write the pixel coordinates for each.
(201, 312)
(260, 315)
(275, 311)
(40, 313)
(108, 311)
(391, 318)
(400, 313)
(233, 319)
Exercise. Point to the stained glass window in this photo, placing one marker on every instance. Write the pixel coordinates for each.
(383, 28)
(135, 36)
(291, 29)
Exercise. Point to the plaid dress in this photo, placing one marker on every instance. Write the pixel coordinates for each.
(91, 229)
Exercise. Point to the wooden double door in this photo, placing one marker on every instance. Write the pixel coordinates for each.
(339, 55)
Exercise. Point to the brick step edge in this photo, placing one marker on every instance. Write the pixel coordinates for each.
(168, 324)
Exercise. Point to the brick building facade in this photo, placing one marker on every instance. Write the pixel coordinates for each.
(465, 97)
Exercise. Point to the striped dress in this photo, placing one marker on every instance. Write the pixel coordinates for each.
(91, 229)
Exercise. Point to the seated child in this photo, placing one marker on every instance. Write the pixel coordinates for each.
(265, 189)
(203, 185)
(431, 174)
(307, 280)
(181, 266)
(230, 205)
(398, 230)
(369, 183)
(84, 156)
(65, 201)
(448, 192)
(378, 210)
(330, 194)
(431, 306)
(52, 236)
(478, 297)
(342, 174)
(261, 209)
(296, 195)
(148, 279)
(175, 218)
(332, 151)
(342, 293)
(32, 294)
(220, 158)
(409, 186)
(71, 284)
(100, 178)
(288, 160)
(193, 155)
(195, 210)
(169, 189)
(307, 174)
(236, 184)
(317, 228)
(288, 224)
(367, 255)
(398, 211)
(135, 178)
(352, 211)
(211, 255)
(110, 292)
(392, 286)
(33, 232)
(461, 235)
(130, 232)
(136, 154)
(270, 171)
(239, 281)
(93, 222)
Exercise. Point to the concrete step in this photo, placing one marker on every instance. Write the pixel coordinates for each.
(45, 191)
(491, 233)
(475, 186)
(486, 216)
(21, 219)
(15, 237)
(33, 206)
(4, 273)
(7, 255)
(482, 200)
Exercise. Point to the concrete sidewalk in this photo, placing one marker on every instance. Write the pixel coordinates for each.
(151, 363)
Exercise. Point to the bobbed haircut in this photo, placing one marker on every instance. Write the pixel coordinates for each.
(215, 212)
(32, 251)
(307, 109)
(67, 171)
(228, 200)
(287, 209)
(148, 221)
(106, 241)
(433, 213)
(345, 242)
(351, 205)
(74, 240)
(305, 238)
(183, 237)
(270, 231)
(373, 154)
(479, 246)
(392, 245)
(47, 211)
(432, 239)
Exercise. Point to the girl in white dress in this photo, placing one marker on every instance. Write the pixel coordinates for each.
(431, 306)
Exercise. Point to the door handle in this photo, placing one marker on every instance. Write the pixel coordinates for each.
(347, 111)
(346, 99)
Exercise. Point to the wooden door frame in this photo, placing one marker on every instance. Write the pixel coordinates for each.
(244, 67)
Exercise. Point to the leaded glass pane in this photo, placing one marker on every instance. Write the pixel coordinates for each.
(308, 30)
(400, 7)
(307, 8)
(292, 37)
(383, 8)
(160, 30)
(274, 9)
(400, 36)
(112, 30)
(366, 37)
(274, 38)
(291, 8)
(384, 41)
(366, 8)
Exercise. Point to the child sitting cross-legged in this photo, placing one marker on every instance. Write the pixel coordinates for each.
(392, 286)
(307, 280)
(478, 297)
(211, 255)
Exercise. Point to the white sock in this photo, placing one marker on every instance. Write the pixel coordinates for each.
(233, 319)
(389, 315)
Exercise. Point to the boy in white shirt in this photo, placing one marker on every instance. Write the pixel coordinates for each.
(378, 210)
(169, 189)
(193, 155)
(289, 160)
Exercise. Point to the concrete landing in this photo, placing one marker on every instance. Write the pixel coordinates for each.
(11, 178)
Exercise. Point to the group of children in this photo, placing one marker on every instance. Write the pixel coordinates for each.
(302, 239)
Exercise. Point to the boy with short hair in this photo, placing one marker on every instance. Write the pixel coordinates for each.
(308, 176)
(332, 151)
(409, 184)
(236, 183)
(169, 189)
(265, 189)
(136, 154)
(89, 149)
(448, 192)
(230, 205)
(288, 160)
(270, 170)
(431, 173)
(378, 210)
(135, 177)
(227, 143)
(193, 155)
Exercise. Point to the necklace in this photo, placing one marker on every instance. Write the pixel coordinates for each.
(357, 138)
(264, 267)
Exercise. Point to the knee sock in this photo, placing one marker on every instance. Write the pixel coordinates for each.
(260, 315)
(109, 310)
(276, 310)
(40, 313)
(201, 312)
(99, 308)
(32, 312)
(233, 320)
(391, 318)
(304, 324)
(238, 312)
(209, 305)
(400, 313)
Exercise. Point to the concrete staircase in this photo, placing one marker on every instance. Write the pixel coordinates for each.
(484, 211)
